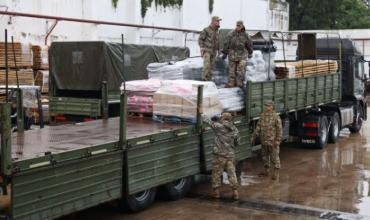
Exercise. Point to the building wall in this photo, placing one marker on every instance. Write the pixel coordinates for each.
(194, 14)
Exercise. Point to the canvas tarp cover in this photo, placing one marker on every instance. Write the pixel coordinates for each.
(85, 65)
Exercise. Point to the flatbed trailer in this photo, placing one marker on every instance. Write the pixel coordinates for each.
(59, 170)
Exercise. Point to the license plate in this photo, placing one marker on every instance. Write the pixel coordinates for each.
(308, 141)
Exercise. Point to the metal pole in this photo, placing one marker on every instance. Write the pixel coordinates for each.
(327, 47)
(15, 63)
(38, 16)
(20, 112)
(5, 127)
(123, 61)
(105, 100)
(282, 36)
(199, 106)
(301, 36)
(123, 120)
(39, 108)
(269, 51)
(6, 66)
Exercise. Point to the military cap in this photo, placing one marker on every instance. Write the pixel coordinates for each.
(240, 23)
(227, 116)
(269, 102)
(216, 18)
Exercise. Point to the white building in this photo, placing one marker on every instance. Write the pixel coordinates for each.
(193, 14)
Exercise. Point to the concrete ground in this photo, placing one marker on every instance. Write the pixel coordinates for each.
(332, 183)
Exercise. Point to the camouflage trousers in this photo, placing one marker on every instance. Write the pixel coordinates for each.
(237, 72)
(208, 65)
(219, 165)
(270, 154)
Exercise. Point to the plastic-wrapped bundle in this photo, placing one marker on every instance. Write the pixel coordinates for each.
(168, 70)
(193, 68)
(176, 101)
(140, 95)
(258, 67)
(188, 69)
(232, 99)
(220, 72)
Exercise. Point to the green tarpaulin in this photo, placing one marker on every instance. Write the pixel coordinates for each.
(84, 66)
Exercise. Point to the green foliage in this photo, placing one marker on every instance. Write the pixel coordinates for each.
(210, 6)
(329, 14)
(115, 3)
(145, 4)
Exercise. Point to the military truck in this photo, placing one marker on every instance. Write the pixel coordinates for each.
(58, 170)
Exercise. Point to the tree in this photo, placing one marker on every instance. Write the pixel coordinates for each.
(329, 14)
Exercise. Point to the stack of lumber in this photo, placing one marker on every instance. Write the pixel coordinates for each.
(42, 80)
(298, 69)
(40, 57)
(25, 77)
(22, 52)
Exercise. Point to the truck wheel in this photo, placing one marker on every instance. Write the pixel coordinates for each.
(177, 189)
(356, 127)
(139, 201)
(334, 128)
(323, 134)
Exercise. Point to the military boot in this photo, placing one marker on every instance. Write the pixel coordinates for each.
(216, 193)
(265, 173)
(235, 194)
(275, 174)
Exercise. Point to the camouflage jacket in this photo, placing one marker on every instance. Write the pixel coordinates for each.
(209, 39)
(269, 129)
(226, 138)
(238, 46)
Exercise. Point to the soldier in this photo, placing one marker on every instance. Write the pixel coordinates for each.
(238, 47)
(269, 129)
(226, 139)
(209, 46)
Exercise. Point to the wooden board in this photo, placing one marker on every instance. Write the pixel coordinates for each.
(22, 52)
(25, 77)
(40, 57)
(305, 68)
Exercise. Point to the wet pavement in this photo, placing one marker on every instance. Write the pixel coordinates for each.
(185, 209)
(336, 178)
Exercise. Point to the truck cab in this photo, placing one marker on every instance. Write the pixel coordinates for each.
(352, 68)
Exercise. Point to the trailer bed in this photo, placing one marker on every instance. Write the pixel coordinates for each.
(64, 138)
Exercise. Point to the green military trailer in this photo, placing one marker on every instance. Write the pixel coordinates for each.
(55, 171)
(59, 170)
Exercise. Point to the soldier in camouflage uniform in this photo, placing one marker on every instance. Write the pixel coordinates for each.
(209, 46)
(269, 129)
(226, 139)
(238, 47)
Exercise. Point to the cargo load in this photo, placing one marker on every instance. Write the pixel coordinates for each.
(176, 101)
(140, 95)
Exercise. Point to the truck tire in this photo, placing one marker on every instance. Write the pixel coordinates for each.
(356, 127)
(177, 189)
(334, 128)
(323, 133)
(139, 201)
